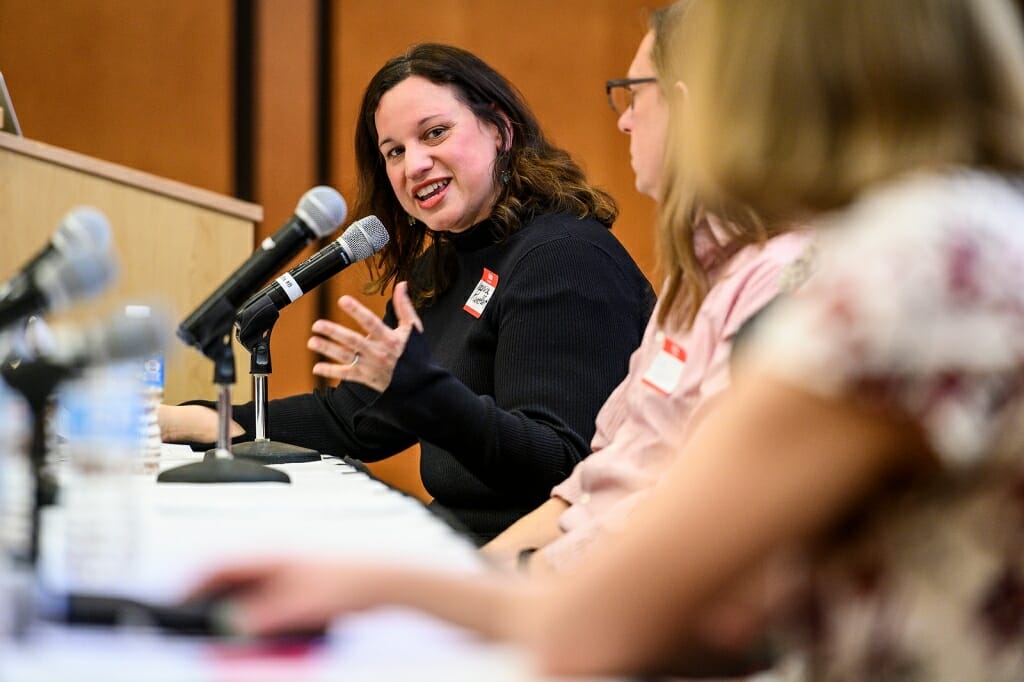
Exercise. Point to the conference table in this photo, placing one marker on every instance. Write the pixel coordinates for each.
(330, 509)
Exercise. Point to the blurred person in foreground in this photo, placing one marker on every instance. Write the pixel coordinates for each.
(874, 426)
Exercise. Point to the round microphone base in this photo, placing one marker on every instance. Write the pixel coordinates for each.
(266, 451)
(220, 469)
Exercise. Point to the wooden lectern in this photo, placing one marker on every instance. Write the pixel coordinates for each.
(175, 243)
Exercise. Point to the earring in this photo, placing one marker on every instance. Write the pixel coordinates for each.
(412, 221)
(506, 177)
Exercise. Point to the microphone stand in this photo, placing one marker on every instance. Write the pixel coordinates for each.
(219, 465)
(254, 332)
(262, 449)
(36, 380)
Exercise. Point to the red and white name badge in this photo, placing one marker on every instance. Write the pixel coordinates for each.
(482, 293)
(663, 374)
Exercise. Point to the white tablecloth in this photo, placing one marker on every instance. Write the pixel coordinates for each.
(329, 510)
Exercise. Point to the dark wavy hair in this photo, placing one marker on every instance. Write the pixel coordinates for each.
(541, 178)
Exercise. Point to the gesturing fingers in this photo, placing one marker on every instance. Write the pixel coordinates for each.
(336, 342)
(366, 318)
(369, 359)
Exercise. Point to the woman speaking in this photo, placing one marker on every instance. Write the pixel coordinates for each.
(514, 310)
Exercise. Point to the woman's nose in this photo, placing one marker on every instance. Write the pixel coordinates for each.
(418, 161)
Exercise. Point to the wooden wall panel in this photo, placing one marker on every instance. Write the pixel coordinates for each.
(144, 83)
(151, 85)
(147, 84)
(285, 162)
(558, 54)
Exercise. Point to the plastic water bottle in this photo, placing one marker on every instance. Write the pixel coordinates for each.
(151, 376)
(101, 413)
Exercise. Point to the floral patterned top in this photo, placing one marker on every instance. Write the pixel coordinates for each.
(917, 304)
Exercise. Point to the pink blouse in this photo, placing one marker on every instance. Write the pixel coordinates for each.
(674, 377)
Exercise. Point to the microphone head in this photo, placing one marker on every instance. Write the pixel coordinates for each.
(74, 275)
(126, 336)
(322, 209)
(82, 229)
(363, 238)
(121, 337)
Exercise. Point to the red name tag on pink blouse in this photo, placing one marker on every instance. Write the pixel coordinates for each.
(663, 374)
(482, 293)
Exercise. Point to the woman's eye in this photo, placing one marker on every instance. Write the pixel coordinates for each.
(393, 153)
(435, 133)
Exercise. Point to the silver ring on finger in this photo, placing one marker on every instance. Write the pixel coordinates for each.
(355, 360)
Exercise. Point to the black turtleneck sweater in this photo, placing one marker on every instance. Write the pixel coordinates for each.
(503, 405)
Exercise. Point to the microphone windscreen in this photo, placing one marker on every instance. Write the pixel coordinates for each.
(83, 228)
(121, 337)
(126, 337)
(322, 209)
(76, 275)
(365, 237)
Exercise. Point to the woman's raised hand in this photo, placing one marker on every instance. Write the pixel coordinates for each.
(368, 359)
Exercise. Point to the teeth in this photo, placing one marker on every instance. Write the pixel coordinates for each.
(430, 189)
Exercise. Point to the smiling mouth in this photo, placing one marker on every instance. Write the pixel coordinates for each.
(432, 189)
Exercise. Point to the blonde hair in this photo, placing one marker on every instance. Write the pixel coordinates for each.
(687, 280)
(798, 105)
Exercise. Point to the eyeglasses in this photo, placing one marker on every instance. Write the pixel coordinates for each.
(620, 92)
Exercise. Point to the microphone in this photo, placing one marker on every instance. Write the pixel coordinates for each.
(76, 348)
(53, 283)
(82, 229)
(361, 240)
(119, 338)
(319, 213)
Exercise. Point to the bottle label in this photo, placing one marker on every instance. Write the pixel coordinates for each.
(153, 372)
(102, 412)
